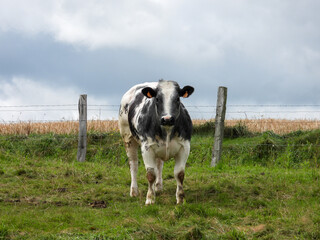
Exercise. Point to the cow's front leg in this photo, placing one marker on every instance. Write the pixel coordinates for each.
(159, 175)
(179, 171)
(151, 176)
(151, 167)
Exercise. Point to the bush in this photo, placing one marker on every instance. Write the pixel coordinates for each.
(208, 128)
(239, 130)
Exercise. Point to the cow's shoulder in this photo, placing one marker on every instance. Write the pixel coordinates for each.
(183, 126)
(140, 117)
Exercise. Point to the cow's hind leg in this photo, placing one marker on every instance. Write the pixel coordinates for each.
(179, 172)
(132, 153)
(179, 176)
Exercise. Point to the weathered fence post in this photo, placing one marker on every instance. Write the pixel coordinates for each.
(82, 140)
(219, 125)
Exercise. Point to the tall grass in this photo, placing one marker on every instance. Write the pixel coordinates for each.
(63, 127)
(278, 126)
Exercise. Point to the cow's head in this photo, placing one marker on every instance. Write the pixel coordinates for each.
(167, 100)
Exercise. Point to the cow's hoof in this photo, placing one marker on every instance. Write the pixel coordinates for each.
(134, 192)
(180, 201)
(150, 201)
(180, 197)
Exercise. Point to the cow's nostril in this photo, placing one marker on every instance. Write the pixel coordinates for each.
(172, 120)
(167, 121)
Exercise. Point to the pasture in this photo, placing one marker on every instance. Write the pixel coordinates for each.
(267, 186)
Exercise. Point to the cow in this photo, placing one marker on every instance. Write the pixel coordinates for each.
(151, 116)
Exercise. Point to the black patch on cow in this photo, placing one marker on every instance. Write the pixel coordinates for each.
(183, 125)
(151, 175)
(132, 112)
(149, 122)
(159, 103)
(181, 177)
(126, 108)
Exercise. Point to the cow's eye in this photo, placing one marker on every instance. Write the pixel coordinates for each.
(178, 99)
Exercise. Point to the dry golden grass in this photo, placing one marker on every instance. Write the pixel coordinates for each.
(279, 126)
(65, 127)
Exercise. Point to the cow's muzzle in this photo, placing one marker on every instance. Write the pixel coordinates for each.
(167, 121)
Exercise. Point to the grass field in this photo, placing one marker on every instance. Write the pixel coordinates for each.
(267, 186)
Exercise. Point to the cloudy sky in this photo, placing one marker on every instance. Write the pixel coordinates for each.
(265, 52)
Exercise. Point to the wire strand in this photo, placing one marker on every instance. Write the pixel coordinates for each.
(198, 106)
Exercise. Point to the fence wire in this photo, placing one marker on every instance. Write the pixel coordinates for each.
(273, 123)
(63, 118)
(37, 113)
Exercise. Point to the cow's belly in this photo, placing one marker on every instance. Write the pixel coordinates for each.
(163, 150)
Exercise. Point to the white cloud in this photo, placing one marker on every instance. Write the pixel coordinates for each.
(113, 23)
(23, 91)
(23, 99)
(29, 17)
(201, 30)
(281, 36)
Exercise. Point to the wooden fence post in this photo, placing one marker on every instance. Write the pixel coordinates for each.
(82, 140)
(219, 125)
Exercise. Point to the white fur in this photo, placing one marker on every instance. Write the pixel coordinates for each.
(167, 90)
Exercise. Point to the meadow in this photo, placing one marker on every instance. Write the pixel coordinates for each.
(267, 186)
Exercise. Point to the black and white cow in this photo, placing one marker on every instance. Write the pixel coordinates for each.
(151, 115)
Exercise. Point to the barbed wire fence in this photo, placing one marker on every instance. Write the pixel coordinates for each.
(277, 118)
(257, 117)
(24, 120)
(197, 112)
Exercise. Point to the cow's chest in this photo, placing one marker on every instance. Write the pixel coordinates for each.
(163, 149)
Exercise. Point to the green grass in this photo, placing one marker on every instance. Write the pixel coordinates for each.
(266, 187)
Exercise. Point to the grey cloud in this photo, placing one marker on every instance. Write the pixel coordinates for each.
(108, 73)
(263, 51)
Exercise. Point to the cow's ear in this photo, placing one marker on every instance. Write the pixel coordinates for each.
(186, 91)
(149, 92)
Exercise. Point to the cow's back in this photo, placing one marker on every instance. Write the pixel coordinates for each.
(129, 101)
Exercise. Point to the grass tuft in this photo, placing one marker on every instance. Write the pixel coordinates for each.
(4, 232)
(194, 234)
